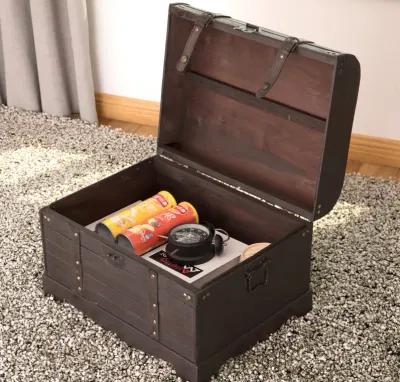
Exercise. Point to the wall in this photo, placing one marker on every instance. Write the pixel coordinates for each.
(128, 45)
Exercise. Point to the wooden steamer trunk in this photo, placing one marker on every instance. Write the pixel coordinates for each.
(254, 131)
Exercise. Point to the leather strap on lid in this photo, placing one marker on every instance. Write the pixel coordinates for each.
(202, 22)
(288, 46)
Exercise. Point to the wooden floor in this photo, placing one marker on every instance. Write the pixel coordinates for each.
(130, 127)
(352, 166)
(373, 169)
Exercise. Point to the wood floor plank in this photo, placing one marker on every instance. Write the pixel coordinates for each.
(397, 176)
(147, 130)
(389, 172)
(128, 127)
(377, 170)
(353, 166)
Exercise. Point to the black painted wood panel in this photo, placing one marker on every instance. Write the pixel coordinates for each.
(229, 309)
(177, 318)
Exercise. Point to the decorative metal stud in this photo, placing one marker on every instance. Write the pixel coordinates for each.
(77, 262)
(154, 322)
(184, 59)
(154, 333)
(79, 288)
(153, 276)
(154, 306)
(187, 297)
(76, 234)
(78, 278)
(205, 296)
(281, 56)
(196, 29)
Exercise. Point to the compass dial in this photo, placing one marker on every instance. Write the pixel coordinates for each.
(190, 233)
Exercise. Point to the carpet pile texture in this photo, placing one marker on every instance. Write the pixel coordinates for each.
(352, 334)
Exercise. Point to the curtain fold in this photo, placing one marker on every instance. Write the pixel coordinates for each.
(44, 57)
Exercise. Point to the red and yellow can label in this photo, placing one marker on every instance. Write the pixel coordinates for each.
(139, 213)
(153, 233)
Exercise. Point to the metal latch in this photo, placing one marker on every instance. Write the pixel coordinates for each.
(257, 276)
(247, 28)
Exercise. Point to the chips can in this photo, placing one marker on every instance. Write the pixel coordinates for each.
(154, 232)
(135, 214)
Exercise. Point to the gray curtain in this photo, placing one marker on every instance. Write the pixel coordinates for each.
(44, 57)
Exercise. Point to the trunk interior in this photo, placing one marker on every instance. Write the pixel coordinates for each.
(245, 218)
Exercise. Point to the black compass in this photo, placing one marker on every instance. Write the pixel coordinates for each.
(193, 244)
(188, 234)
